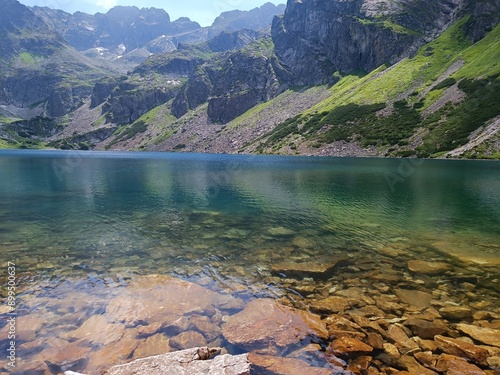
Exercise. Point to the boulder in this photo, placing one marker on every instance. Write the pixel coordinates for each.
(265, 323)
(186, 362)
(97, 330)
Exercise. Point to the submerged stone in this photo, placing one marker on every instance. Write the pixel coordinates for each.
(97, 330)
(286, 366)
(487, 336)
(428, 268)
(415, 298)
(315, 269)
(347, 346)
(264, 323)
(462, 349)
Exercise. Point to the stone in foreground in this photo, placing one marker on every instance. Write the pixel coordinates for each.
(186, 362)
(264, 323)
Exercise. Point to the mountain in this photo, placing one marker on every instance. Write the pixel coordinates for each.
(400, 78)
(128, 35)
(41, 74)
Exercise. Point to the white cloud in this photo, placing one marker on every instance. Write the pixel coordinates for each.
(107, 4)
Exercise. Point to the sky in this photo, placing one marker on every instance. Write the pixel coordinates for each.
(202, 11)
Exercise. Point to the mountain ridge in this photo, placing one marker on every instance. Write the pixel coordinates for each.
(366, 77)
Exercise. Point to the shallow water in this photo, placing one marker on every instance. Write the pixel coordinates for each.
(80, 226)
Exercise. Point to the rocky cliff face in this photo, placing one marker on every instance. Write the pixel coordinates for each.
(316, 38)
(248, 77)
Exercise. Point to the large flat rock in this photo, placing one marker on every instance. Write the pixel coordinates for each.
(185, 362)
(265, 323)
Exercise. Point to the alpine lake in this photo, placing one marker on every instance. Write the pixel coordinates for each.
(313, 265)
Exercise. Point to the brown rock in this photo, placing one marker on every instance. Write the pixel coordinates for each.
(428, 268)
(318, 269)
(113, 354)
(360, 364)
(264, 322)
(415, 298)
(285, 366)
(186, 340)
(349, 346)
(154, 345)
(341, 327)
(456, 366)
(155, 298)
(455, 312)
(375, 340)
(487, 336)
(425, 345)
(402, 341)
(427, 359)
(391, 350)
(185, 362)
(413, 366)
(425, 329)
(204, 325)
(333, 305)
(460, 348)
(65, 356)
(27, 326)
(96, 329)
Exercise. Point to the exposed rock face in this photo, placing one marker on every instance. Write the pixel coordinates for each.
(248, 77)
(315, 38)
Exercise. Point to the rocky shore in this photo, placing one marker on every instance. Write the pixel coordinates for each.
(336, 317)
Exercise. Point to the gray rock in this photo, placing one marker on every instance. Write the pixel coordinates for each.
(185, 362)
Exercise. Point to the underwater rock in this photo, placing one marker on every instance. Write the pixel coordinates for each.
(186, 340)
(97, 330)
(453, 365)
(426, 329)
(286, 366)
(153, 345)
(415, 298)
(347, 346)
(264, 323)
(462, 349)
(428, 268)
(455, 312)
(317, 269)
(333, 305)
(487, 336)
(112, 354)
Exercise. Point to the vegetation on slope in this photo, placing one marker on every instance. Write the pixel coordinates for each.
(388, 106)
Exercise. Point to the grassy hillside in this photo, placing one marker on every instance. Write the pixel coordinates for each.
(443, 94)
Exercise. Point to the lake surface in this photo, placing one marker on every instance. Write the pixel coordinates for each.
(81, 225)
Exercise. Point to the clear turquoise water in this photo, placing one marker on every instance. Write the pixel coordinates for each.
(67, 217)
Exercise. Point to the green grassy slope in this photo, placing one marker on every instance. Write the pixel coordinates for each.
(445, 92)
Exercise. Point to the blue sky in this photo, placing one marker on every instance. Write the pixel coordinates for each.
(201, 11)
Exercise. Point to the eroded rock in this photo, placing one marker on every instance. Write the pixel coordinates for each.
(487, 336)
(428, 268)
